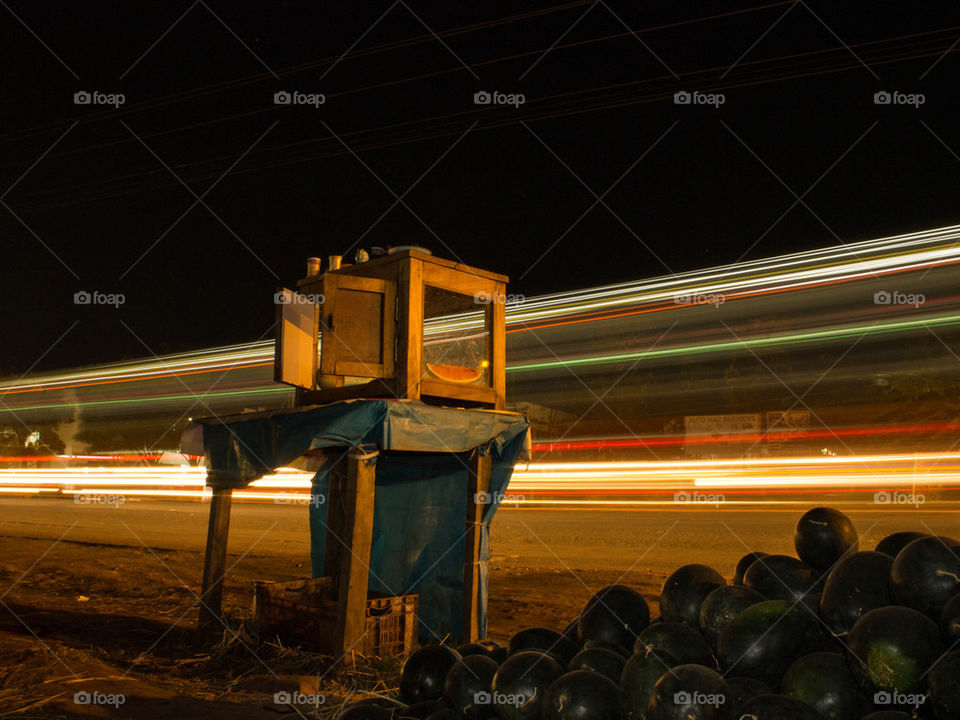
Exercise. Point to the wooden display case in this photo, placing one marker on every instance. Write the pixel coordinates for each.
(403, 325)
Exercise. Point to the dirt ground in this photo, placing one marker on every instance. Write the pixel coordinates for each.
(98, 603)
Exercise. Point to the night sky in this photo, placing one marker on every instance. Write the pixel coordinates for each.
(198, 195)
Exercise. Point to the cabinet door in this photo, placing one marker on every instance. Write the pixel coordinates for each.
(358, 327)
(295, 348)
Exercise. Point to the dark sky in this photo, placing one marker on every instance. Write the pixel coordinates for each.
(104, 199)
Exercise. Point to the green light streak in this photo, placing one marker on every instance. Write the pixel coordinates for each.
(96, 403)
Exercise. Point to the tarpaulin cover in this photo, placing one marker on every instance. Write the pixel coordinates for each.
(420, 501)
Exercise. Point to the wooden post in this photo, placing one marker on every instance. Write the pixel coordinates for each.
(215, 561)
(349, 537)
(478, 497)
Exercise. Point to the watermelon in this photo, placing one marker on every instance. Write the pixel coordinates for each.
(684, 591)
(950, 621)
(887, 715)
(443, 713)
(823, 536)
(455, 373)
(467, 682)
(723, 605)
(599, 660)
(744, 688)
(544, 640)
(581, 695)
(926, 575)
(823, 681)
(892, 544)
(424, 672)
(679, 640)
(616, 614)
(745, 562)
(892, 649)
(944, 686)
(763, 640)
(640, 674)
(520, 683)
(777, 707)
(590, 644)
(420, 710)
(689, 692)
(781, 577)
(859, 583)
(473, 649)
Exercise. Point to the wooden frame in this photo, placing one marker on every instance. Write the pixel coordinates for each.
(406, 275)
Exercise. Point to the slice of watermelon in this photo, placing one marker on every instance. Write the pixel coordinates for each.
(455, 373)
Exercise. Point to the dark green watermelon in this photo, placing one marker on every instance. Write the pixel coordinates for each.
(470, 678)
(590, 644)
(689, 692)
(944, 686)
(764, 640)
(616, 614)
(950, 621)
(887, 715)
(926, 575)
(892, 649)
(684, 591)
(723, 605)
(544, 640)
(473, 649)
(892, 544)
(520, 683)
(744, 688)
(746, 561)
(419, 711)
(444, 713)
(639, 675)
(424, 671)
(599, 660)
(823, 536)
(679, 640)
(781, 577)
(823, 681)
(777, 707)
(581, 695)
(859, 583)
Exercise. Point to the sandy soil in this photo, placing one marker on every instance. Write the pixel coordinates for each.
(101, 600)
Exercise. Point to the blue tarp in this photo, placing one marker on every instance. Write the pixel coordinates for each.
(421, 485)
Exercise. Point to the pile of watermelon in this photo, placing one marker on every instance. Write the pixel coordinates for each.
(835, 632)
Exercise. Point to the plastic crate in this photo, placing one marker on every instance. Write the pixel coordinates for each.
(302, 612)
